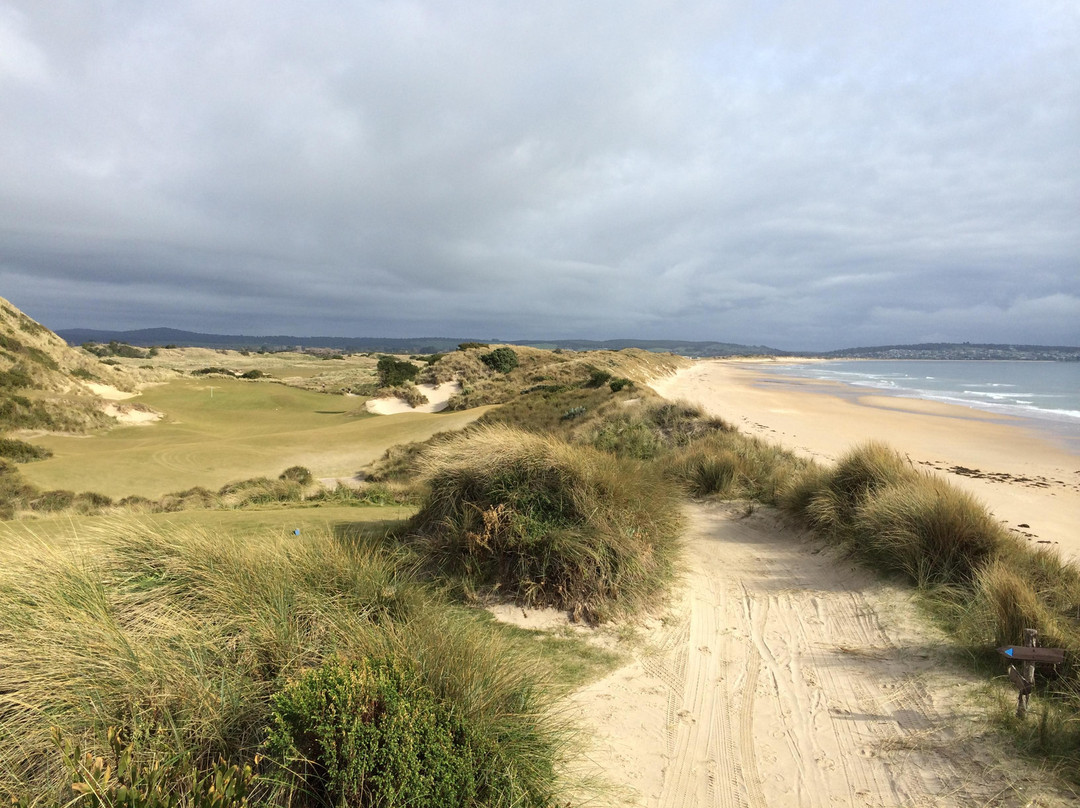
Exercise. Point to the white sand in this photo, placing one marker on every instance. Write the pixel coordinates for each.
(437, 396)
(132, 415)
(109, 392)
(785, 677)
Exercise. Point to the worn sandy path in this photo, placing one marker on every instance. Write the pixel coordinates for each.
(788, 678)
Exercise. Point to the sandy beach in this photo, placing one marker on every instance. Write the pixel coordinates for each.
(1027, 480)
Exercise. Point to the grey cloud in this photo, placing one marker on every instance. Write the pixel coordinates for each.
(798, 175)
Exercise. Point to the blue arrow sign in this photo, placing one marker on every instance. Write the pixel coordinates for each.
(1008, 652)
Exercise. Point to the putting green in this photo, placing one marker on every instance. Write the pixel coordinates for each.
(219, 430)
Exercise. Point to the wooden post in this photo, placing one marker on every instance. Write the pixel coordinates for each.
(1025, 681)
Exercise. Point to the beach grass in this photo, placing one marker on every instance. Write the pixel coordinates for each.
(545, 522)
(181, 637)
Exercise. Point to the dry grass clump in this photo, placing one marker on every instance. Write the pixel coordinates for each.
(546, 522)
(407, 392)
(731, 465)
(898, 519)
(181, 638)
(927, 529)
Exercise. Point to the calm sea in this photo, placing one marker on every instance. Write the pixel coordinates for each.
(1046, 392)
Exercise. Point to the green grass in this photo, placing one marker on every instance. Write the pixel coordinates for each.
(541, 521)
(181, 636)
(243, 430)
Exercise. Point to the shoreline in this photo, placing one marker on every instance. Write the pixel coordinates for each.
(1030, 482)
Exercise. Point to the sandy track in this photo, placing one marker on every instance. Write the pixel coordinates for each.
(777, 682)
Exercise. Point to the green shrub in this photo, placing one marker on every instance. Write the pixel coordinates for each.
(84, 374)
(502, 360)
(90, 502)
(213, 370)
(260, 491)
(370, 733)
(253, 374)
(730, 465)
(21, 451)
(618, 384)
(395, 372)
(598, 378)
(548, 523)
(297, 474)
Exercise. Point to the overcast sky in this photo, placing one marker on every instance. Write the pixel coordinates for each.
(814, 174)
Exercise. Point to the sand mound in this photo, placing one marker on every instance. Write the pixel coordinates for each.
(438, 397)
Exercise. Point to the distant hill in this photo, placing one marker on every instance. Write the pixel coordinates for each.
(961, 350)
(418, 345)
(148, 337)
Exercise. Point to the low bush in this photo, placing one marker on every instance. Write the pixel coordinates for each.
(501, 360)
(926, 529)
(598, 378)
(371, 733)
(407, 392)
(395, 372)
(297, 474)
(51, 501)
(213, 371)
(730, 465)
(21, 451)
(260, 490)
(545, 522)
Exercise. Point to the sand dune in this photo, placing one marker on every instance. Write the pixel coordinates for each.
(437, 395)
(784, 677)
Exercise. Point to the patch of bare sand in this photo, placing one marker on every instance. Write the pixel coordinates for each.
(107, 391)
(786, 677)
(132, 414)
(1030, 483)
(438, 397)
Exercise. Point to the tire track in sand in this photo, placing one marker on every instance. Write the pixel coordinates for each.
(775, 683)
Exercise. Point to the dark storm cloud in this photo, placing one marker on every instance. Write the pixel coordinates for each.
(802, 175)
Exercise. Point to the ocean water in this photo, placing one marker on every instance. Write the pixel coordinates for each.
(1048, 393)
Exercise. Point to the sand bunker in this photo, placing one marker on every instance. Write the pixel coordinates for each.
(132, 414)
(108, 391)
(438, 397)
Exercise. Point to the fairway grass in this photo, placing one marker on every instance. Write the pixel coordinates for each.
(219, 430)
